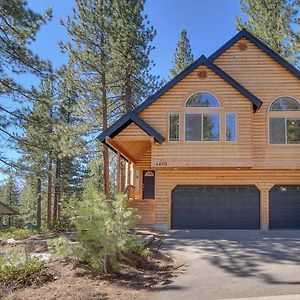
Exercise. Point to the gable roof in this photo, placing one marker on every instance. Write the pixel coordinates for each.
(258, 43)
(208, 62)
(6, 210)
(202, 60)
(130, 117)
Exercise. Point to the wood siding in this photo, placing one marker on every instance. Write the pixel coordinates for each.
(199, 154)
(267, 80)
(146, 210)
(251, 160)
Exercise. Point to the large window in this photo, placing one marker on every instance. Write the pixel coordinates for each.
(202, 121)
(174, 127)
(202, 127)
(284, 121)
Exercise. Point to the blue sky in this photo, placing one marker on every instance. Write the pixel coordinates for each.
(210, 23)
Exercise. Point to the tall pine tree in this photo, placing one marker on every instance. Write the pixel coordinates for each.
(18, 27)
(89, 52)
(183, 56)
(274, 22)
(131, 35)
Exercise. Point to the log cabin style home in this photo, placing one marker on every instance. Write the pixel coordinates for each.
(217, 147)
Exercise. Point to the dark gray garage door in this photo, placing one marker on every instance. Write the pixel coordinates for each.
(284, 207)
(215, 207)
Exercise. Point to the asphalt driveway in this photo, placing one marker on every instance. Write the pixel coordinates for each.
(223, 264)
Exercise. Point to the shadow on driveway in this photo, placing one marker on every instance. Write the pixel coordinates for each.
(273, 256)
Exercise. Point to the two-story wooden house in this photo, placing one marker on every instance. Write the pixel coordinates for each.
(219, 145)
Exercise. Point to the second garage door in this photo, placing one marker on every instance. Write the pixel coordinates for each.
(284, 207)
(215, 207)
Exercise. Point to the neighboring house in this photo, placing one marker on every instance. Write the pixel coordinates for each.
(219, 145)
(5, 210)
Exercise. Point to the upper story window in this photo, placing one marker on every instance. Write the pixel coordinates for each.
(285, 104)
(202, 118)
(284, 121)
(174, 123)
(202, 99)
(230, 121)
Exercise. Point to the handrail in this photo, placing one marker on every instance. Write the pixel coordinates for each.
(130, 191)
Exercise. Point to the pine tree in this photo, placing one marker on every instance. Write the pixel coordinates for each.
(37, 141)
(18, 27)
(274, 22)
(183, 56)
(10, 192)
(69, 145)
(10, 195)
(131, 35)
(90, 53)
(27, 202)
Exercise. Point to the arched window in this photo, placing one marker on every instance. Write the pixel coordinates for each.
(202, 99)
(203, 122)
(285, 104)
(284, 121)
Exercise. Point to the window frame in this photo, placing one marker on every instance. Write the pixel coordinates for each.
(236, 127)
(283, 111)
(202, 113)
(285, 117)
(200, 107)
(179, 121)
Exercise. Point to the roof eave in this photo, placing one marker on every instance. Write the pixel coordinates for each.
(125, 121)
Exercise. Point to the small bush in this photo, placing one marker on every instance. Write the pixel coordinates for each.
(17, 268)
(16, 233)
(103, 232)
(62, 225)
(62, 248)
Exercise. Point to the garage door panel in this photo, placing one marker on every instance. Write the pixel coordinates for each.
(284, 207)
(215, 207)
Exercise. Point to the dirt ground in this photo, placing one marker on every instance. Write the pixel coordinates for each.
(138, 278)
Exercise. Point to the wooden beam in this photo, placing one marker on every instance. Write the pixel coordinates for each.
(118, 172)
(117, 147)
(127, 138)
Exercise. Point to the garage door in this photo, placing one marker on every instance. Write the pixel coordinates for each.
(215, 207)
(284, 207)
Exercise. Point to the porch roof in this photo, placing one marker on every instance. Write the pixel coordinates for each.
(125, 121)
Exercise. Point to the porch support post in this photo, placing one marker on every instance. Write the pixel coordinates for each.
(128, 172)
(118, 172)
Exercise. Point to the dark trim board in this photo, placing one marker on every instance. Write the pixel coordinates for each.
(126, 120)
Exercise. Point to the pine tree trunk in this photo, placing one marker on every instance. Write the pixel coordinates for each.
(56, 190)
(49, 196)
(128, 93)
(39, 203)
(106, 191)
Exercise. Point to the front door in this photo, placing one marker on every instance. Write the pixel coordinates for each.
(148, 184)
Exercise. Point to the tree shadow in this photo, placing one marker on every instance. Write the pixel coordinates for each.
(272, 256)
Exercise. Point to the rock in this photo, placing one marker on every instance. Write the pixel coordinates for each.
(10, 241)
(42, 256)
(147, 240)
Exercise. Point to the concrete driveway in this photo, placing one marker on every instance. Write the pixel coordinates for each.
(223, 264)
